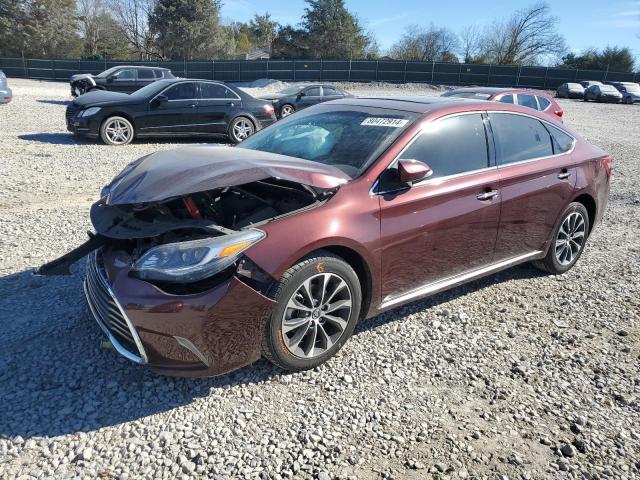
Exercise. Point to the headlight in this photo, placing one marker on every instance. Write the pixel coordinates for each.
(194, 260)
(89, 111)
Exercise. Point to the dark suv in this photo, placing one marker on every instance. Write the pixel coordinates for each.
(205, 258)
(118, 79)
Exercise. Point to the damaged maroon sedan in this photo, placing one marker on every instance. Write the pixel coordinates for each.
(204, 259)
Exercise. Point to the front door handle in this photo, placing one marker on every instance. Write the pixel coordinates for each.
(564, 175)
(487, 195)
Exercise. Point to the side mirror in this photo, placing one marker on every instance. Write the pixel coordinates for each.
(412, 171)
(302, 94)
(111, 78)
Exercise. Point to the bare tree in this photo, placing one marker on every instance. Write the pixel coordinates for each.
(133, 17)
(89, 12)
(525, 38)
(426, 44)
(470, 44)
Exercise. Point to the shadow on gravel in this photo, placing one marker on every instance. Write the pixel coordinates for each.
(55, 379)
(56, 138)
(56, 102)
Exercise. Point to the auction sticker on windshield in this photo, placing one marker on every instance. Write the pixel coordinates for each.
(384, 122)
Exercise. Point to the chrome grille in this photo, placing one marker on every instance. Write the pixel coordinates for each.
(70, 113)
(107, 311)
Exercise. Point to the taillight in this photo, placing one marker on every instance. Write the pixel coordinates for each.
(607, 164)
(268, 109)
(559, 113)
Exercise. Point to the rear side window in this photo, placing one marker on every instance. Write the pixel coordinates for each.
(182, 91)
(519, 138)
(528, 101)
(506, 99)
(312, 92)
(145, 74)
(544, 103)
(215, 91)
(330, 91)
(562, 142)
(452, 145)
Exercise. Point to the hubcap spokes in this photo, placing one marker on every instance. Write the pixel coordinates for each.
(118, 131)
(316, 315)
(286, 111)
(570, 239)
(243, 129)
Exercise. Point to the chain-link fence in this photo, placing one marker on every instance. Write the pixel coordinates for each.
(329, 70)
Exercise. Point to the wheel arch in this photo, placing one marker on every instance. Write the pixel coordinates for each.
(120, 113)
(590, 204)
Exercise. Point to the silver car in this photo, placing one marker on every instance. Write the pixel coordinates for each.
(5, 91)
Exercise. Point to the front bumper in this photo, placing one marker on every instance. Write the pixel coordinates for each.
(83, 126)
(204, 334)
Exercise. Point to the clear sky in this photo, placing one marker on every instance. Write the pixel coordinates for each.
(584, 23)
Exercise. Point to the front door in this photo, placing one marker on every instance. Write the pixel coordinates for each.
(537, 179)
(312, 95)
(447, 224)
(174, 110)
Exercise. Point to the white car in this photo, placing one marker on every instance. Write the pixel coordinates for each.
(5, 92)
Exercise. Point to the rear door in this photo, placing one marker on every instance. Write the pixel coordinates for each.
(537, 178)
(145, 77)
(331, 93)
(177, 114)
(447, 224)
(214, 105)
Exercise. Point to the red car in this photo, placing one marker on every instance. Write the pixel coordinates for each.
(207, 258)
(527, 98)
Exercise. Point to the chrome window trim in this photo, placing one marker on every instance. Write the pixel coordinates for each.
(437, 180)
(568, 152)
(194, 99)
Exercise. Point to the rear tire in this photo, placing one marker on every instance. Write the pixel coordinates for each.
(318, 307)
(568, 241)
(241, 128)
(286, 110)
(628, 101)
(117, 131)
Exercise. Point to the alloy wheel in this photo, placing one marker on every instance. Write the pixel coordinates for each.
(286, 111)
(242, 129)
(316, 315)
(118, 131)
(570, 238)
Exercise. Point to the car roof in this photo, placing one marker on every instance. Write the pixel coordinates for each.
(494, 90)
(140, 66)
(415, 104)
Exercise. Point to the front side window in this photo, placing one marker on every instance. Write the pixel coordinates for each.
(312, 92)
(528, 101)
(182, 91)
(146, 74)
(346, 137)
(127, 74)
(519, 138)
(452, 145)
(506, 98)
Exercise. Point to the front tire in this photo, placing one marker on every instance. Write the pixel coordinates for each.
(117, 131)
(241, 128)
(318, 307)
(568, 241)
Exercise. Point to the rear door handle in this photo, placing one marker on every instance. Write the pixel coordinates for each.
(564, 175)
(487, 195)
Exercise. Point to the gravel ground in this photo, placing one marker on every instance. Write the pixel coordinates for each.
(519, 375)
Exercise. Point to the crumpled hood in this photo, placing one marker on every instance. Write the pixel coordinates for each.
(172, 173)
(79, 76)
(101, 97)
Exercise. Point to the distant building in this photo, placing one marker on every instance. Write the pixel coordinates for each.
(259, 54)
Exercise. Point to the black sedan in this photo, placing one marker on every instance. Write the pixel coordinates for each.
(602, 93)
(169, 108)
(118, 79)
(570, 90)
(298, 97)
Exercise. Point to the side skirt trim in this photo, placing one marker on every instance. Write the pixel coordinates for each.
(435, 287)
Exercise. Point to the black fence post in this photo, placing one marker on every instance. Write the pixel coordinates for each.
(489, 76)
(321, 67)
(213, 69)
(546, 73)
(405, 72)
(518, 76)
(460, 74)
(239, 71)
(54, 69)
(433, 69)
(267, 68)
(294, 70)
(349, 77)
(377, 63)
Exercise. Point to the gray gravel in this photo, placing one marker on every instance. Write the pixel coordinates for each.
(519, 375)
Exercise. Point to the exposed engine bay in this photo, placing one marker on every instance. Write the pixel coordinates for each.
(223, 211)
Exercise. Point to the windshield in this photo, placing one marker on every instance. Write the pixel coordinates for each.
(574, 85)
(348, 138)
(152, 88)
(290, 90)
(632, 88)
(607, 88)
(473, 95)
